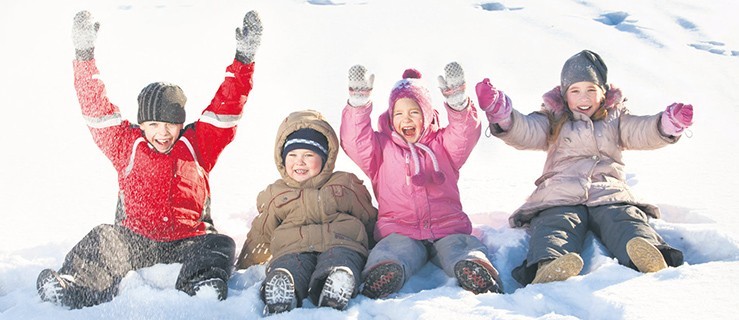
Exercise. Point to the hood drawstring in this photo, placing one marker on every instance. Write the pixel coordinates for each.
(419, 178)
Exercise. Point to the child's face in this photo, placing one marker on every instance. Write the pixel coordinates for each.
(584, 97)
(408, 119)
(302, 164)
(162, 135)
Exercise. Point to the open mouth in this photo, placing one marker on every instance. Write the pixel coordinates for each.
(300, 171)
(409, 131)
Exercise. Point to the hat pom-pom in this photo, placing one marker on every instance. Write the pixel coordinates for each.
(411, 74)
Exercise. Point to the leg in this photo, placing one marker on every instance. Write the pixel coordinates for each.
(393, 260)
(290, 270)
(465, 257)
(336, 278)
(95, 266)
(616, 225)
(206, 260)
(555, 232)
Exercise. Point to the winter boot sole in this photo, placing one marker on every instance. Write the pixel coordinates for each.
(474, 277)
(50, 287)
(383, 280)
(279, 292)
(645, 256)
(338, 289)
(216, 285)
(562, 268)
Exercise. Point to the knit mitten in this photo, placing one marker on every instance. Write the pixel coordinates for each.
(249, 37)
(84, 34)
(452, 86)
(676, 118)
(360, 86)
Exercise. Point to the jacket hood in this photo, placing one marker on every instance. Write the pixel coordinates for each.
(306, 119)
(554, 102)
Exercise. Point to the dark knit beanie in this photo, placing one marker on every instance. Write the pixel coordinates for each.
(163, 102)
(584, 66)
(306, 138)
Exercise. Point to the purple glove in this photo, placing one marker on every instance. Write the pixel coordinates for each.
(495, 103)
(676, 118)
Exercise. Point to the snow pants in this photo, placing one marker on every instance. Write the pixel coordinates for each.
(560, 230)
(412, 254)
(310, 270)
(107, 253)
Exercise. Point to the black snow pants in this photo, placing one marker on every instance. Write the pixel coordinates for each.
(108, 252)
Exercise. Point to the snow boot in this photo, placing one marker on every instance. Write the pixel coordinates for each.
(216, 285)
(279, 292)
(338, 289)
(52, 286)
(645, 256)
(383, 280)
(477, 276)
(560, 269)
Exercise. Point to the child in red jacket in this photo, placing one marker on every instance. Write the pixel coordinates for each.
(163, 211)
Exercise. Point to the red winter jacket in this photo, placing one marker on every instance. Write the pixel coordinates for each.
(163, 197)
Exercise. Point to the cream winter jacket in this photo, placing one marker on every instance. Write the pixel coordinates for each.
(584, 165)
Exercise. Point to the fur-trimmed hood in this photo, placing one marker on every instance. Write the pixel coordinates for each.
(307, 119)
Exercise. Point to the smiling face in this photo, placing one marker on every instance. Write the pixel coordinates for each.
(584, 97)
(161, 135)
(408, 119)
(302, 164)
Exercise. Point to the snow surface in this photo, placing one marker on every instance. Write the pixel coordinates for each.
(55, 185)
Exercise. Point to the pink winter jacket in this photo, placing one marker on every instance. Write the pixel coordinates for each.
(415, 184)
(584, 165)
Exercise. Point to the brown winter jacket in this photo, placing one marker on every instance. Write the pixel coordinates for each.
(332, 209)
(584, 164)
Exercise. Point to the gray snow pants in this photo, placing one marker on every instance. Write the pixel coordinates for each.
(412, 254)
(107, 253)
(560, 230)
(310, 270)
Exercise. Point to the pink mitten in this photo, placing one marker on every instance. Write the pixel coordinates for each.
(495, 103)
(676, 118)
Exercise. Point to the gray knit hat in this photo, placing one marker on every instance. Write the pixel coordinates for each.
(161, 101)
(584, 66)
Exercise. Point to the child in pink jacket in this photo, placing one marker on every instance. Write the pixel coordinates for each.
(414, 164)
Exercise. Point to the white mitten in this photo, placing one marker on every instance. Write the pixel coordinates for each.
(249, 37)
(84, 34)
(453, 86)
(360, 86)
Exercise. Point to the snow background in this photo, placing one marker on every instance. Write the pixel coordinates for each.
(55, 185)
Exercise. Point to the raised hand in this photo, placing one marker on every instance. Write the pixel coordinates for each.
(452, 86)
(360, 86)
(676, 118)
(495, 103)
(248, 37)
(84, 35)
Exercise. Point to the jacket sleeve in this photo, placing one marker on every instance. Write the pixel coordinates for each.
(462, 133)
(362, 207)
(527, 132)
(642, 132)
(216, 127)
(258, 239)
(358, 139)
(113, 135)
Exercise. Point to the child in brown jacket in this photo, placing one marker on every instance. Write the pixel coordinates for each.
(314, 225)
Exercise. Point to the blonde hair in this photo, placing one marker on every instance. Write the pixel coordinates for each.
(557, 121)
